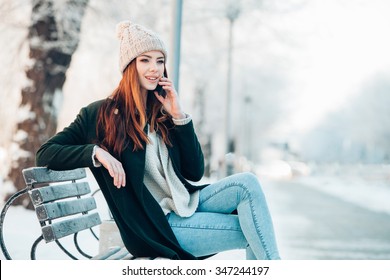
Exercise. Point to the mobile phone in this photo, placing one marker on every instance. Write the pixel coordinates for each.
(160, 91)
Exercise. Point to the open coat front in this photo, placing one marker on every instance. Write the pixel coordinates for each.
(141, 222)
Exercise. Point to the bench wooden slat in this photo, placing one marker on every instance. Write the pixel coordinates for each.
(43, 175)
(54, 192)
(55, 210)
(64, 228)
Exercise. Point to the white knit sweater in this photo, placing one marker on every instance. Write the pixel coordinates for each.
(162, 182)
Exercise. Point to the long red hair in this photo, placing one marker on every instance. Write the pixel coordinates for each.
(124, 115)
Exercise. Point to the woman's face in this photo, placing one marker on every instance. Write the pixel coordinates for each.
(150, 69)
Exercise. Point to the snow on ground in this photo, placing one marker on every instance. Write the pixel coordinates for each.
(374, 196)
(367, 186)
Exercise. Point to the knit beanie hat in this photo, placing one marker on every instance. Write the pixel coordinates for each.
(134, 40)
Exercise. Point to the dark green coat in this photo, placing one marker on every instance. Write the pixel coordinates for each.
(142, 224)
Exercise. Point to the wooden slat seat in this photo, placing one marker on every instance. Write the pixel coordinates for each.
(60, 208)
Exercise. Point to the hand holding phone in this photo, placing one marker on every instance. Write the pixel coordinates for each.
(169, 98)
(160, 91)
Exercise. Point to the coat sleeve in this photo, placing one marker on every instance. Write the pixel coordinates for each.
(68, 149)
(190, 152)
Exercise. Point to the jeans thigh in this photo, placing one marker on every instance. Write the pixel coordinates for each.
(225, 195)
(207, 233)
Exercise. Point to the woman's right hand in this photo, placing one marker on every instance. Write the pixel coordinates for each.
(113, 166)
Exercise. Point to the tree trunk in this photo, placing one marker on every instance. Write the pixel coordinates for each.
(53, 38)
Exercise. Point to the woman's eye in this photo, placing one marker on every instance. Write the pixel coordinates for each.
(144, 60)
(160, 62)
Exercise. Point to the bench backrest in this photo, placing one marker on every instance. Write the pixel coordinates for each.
(59, 207)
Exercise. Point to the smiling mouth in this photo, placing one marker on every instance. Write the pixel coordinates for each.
(152, 79)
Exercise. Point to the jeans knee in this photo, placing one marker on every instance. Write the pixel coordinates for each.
(251, 183)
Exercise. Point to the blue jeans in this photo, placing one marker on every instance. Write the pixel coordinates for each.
(213, 229)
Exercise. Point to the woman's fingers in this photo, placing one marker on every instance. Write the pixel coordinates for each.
(121, 178)
(114, 167)
(171, 101)
(118, 174)
(167, 85)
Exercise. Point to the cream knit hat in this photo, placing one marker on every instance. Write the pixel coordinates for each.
(134, 40)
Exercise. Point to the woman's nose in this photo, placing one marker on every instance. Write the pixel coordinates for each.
(153, 67)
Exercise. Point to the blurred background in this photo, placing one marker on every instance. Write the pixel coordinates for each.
(295, 91)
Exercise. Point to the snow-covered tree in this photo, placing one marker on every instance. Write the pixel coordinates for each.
(53, 37)
(357, 133)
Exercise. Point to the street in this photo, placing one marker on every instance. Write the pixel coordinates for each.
(312, 225)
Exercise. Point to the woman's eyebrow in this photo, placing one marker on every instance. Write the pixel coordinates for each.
(148, 56)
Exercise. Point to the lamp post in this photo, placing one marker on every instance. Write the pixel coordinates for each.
(232, 14)
(248, 127)
(176, 39)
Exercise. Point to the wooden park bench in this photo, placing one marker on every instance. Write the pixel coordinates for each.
(62, 209)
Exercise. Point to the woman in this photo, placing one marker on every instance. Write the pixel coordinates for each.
(142, 149)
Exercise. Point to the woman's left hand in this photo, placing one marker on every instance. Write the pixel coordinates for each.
(171, 102)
